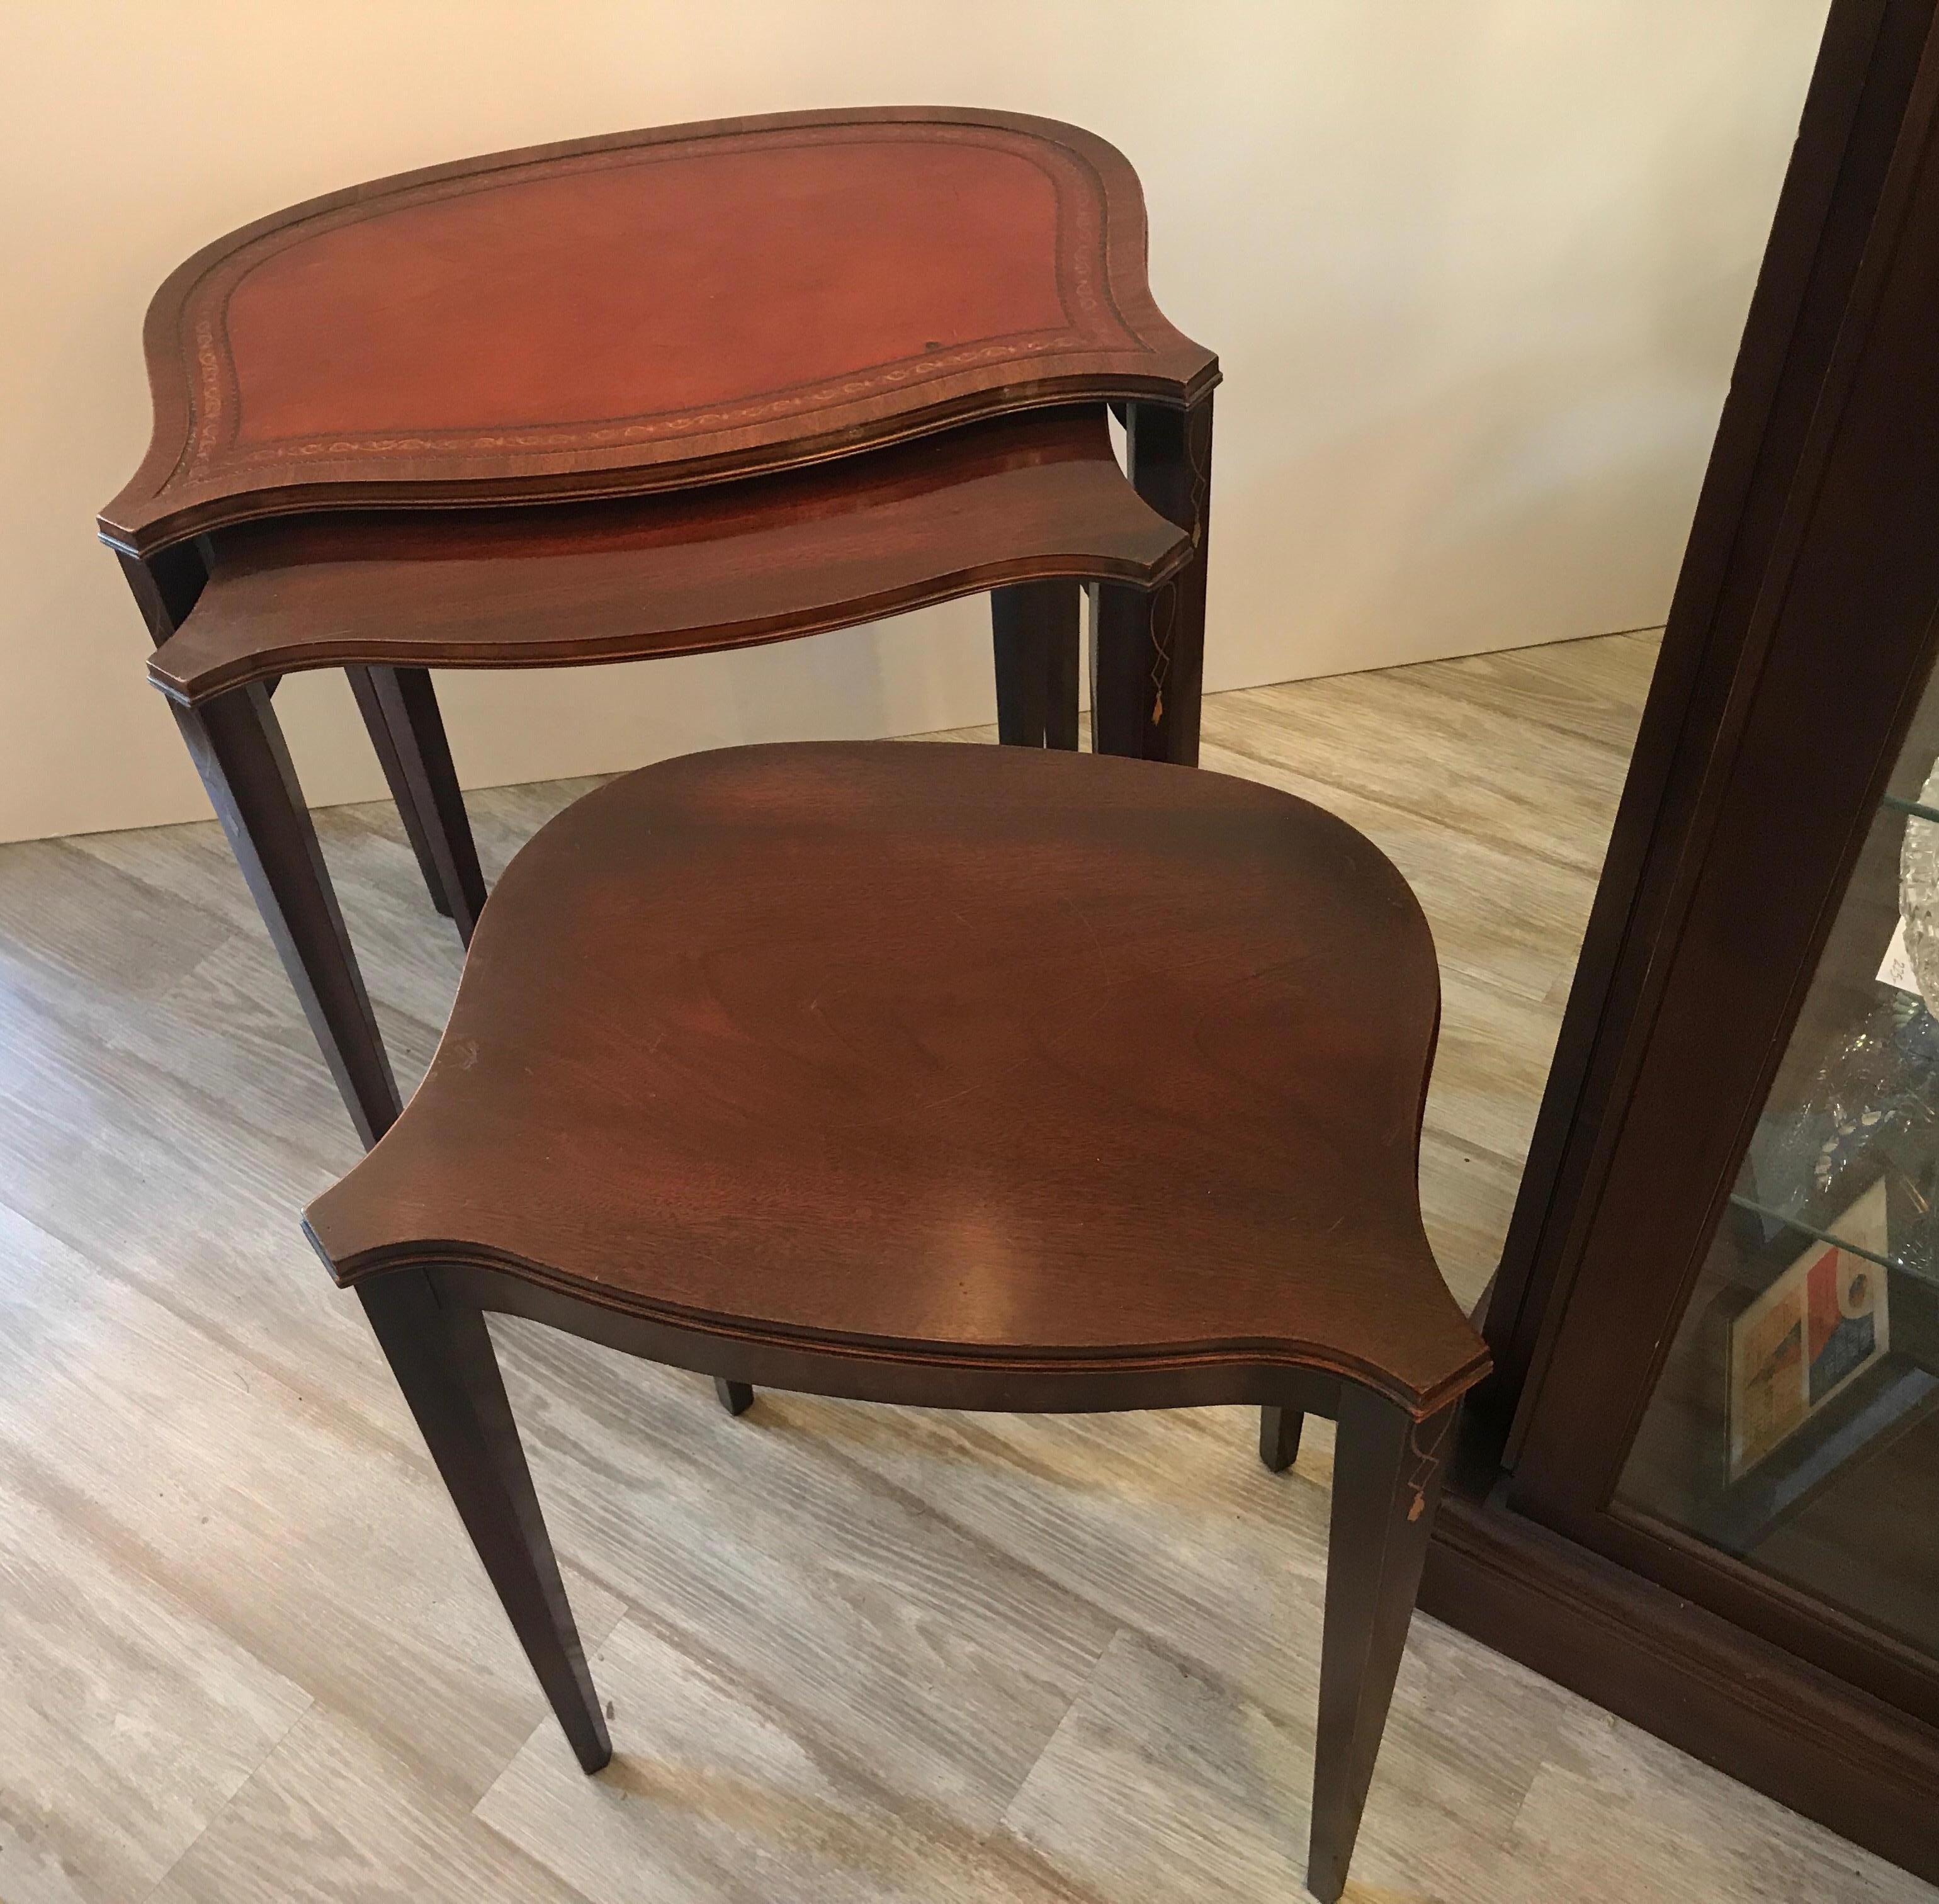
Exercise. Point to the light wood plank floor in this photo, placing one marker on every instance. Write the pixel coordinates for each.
(851, 1653)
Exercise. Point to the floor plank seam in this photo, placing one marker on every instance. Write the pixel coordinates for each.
(303, 1391)
(118, 1546)
(1155, 1641)
(843, 1770)
(1521, 715)
(1505, 843)
(275, 1746)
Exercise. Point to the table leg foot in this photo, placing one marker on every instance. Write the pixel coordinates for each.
(1386, 1478)
(1278, 1437)
(1034, 628)
(400, 709)
(442, 1357)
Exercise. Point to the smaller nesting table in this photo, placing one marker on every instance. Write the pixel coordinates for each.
(973, 1077)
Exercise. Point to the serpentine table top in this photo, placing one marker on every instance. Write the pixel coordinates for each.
(646, 310)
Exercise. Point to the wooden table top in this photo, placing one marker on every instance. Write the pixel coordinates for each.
(1016, 499)
(646, 310)
(993, 1056)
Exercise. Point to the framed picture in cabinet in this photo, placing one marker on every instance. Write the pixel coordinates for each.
(1812, 1332)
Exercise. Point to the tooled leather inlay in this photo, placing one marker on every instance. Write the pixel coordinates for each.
(269, 295)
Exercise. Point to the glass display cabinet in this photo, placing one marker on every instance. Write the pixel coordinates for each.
(1703, 1487)
(1794, 1422)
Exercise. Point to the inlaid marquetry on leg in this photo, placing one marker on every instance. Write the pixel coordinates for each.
(1387, 1470)
(1034, 628)
(238, 746)
(442, 1356)
(736, 1397)
(1148, 654)
(1278, 1437)
(400, 709)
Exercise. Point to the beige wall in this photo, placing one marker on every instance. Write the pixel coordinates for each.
(1475, 268)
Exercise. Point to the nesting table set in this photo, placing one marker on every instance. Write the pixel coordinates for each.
(690, 345)
(997, 1078)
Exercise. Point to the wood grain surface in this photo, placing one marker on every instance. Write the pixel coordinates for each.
(1011, 500)
(959, 1056)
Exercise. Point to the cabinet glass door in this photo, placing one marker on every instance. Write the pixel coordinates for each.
(1795, 1423)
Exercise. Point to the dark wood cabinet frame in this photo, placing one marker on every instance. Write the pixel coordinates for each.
(1805, 612)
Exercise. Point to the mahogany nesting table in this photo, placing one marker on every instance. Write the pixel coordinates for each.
(967, 1076)
(651, 393)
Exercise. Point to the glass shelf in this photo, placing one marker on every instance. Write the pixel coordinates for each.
(1804, 1229)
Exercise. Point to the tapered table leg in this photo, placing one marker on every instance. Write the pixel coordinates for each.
(399, 708)
(736, 1397)
(442, 1357)
(1278, 1437)
(1034, 628)
(1386, 1478)
(1148, 655)
(238, 746)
